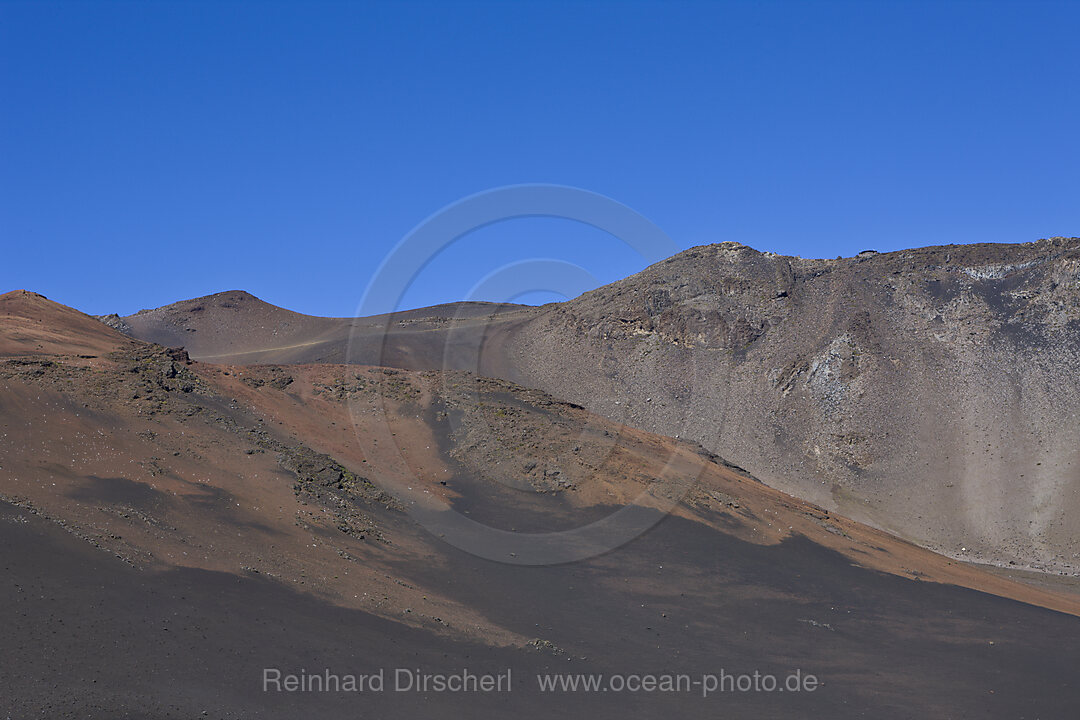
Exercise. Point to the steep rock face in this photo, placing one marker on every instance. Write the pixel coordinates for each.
(934, 392)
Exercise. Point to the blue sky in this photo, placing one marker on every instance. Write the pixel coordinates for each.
(151, 152)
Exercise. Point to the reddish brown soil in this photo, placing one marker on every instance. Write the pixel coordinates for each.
(169, 529)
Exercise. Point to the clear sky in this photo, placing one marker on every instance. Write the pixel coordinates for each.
(151, 152)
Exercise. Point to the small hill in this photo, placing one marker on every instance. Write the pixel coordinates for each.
(238, 327)
(228, 323)
(31, 324)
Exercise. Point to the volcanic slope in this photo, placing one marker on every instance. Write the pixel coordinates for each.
(237, 327)
(163, 518)
(931, 392)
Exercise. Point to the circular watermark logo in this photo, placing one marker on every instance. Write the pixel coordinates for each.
(452, 340)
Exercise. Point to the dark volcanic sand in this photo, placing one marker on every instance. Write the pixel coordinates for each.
(87, 636)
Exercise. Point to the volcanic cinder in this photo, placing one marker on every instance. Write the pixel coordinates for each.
(172, 528)
(933, 393)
